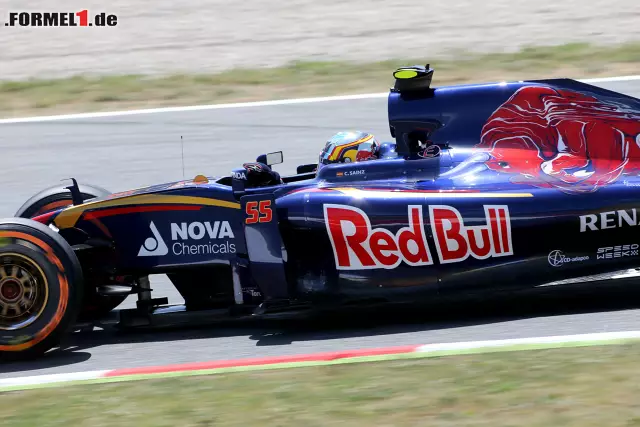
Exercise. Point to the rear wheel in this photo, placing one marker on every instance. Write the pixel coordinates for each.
(95, 305)
(56, 197)
(40, 288)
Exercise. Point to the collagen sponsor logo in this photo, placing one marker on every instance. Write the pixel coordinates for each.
(557, 258)
(357, 245)
(607, 220)
(621, 251)
(212, 238)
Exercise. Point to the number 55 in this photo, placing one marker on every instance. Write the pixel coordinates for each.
(258, 212)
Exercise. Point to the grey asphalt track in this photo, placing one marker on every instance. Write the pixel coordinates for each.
(125, 152)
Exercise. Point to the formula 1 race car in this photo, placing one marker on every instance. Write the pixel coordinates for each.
(485, 188)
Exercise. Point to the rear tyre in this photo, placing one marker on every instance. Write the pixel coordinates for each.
(50, 199)
(41, 288)
(56, 197)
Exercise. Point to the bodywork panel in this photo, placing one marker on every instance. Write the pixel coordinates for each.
(525, 183)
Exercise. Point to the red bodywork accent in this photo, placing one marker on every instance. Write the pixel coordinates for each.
(47, 218)
(136, 209)
(94, 216)
(557, 138)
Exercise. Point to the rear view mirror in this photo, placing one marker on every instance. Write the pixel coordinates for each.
(271, 158)
(274, 158)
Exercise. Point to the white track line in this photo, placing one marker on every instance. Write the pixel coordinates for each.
(450, 348)
(51, 379)
(610, 79)
(559, 339)
(194, 108)
(244, 104)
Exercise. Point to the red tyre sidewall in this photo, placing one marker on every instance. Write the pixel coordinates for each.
(56, 197)
(63, 275)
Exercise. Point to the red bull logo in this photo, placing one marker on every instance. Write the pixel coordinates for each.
(455, 241)
(358, 246)
(562, 139)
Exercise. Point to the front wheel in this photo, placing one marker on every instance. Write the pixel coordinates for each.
(50, 199)
(40, 288)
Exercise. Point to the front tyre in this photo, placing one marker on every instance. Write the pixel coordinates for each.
(95, 305)
(41, 288)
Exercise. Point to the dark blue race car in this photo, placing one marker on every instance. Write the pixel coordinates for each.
(484, 188)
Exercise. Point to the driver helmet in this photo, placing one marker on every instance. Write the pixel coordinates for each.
(347, 147)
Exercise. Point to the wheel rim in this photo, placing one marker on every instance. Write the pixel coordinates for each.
(23, 291)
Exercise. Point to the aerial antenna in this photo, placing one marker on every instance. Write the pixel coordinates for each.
(182, 146)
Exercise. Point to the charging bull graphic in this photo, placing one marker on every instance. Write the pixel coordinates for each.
(562, 139)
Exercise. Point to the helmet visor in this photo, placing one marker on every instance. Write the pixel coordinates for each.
(326, 153)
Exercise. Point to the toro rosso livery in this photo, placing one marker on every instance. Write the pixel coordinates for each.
(483, 188)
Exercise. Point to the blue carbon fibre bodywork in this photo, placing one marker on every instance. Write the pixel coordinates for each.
(524, 183)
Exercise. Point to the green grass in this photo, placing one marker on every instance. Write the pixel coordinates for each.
(589, 386)
(100, 93)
